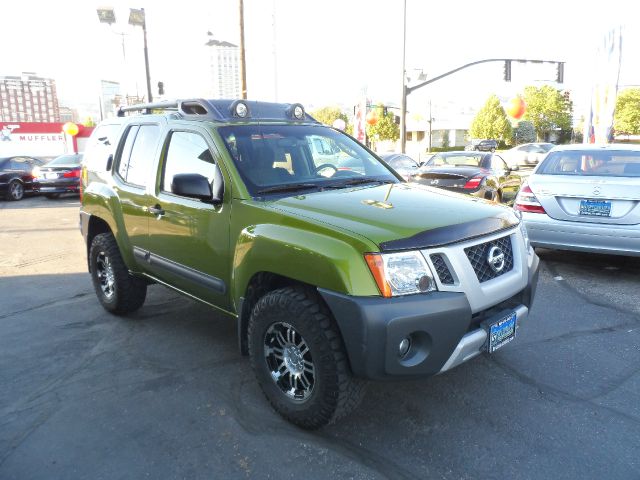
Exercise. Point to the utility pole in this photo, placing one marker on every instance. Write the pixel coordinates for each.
(403, 103)
(243, 66)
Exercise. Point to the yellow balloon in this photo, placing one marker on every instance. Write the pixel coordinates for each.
(70, 128)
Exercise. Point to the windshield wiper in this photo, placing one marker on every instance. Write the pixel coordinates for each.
(356, 181)
(288, 187)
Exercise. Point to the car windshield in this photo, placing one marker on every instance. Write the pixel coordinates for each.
(66, 160)
(457, 160)
(286, 158)
(400, 161)
(601, 163)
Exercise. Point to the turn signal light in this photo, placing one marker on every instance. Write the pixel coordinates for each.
(376, 265)
(526, 201)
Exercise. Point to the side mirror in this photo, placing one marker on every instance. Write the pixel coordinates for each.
(192, 185)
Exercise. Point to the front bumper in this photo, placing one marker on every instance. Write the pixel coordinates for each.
(443, 330)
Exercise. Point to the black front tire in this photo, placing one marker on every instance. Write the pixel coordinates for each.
(15, 190)
(299, 360)
(119, 292)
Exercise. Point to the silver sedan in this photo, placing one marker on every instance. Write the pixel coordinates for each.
(585, 198)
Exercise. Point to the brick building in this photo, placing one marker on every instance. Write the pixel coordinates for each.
(28, 98)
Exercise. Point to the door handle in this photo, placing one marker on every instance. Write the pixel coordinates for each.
(156, 210)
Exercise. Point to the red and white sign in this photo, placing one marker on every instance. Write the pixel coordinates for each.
(35, 139)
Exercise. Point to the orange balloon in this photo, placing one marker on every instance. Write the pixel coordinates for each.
(516, 108)
(372, 118)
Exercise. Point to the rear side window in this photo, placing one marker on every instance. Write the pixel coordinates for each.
(188, 152)
(138, 154)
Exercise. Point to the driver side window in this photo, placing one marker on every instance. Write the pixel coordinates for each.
(187, 152)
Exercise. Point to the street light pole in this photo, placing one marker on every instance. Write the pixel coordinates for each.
(403, 102)
(137, 17)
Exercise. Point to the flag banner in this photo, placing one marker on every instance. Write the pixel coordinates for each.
(598, 125)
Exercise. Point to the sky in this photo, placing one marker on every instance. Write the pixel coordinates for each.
(319, 52)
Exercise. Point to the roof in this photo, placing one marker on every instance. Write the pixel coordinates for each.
(592, 147)
(218, 43)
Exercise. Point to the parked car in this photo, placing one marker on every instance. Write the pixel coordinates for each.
(585, 198)
(484, 175)
(16, 176)
(401, 163)
(527, 153)
(486, 145)
(60, 175)
(334, 274)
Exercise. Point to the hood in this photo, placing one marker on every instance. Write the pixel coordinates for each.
(401, 216)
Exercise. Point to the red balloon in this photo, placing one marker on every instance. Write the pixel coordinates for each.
(516, 108)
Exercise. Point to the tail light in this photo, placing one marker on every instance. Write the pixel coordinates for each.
(473, 182)
(75, 173)
(526, 201)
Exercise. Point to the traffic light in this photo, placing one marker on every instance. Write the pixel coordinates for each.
(567, 97)
(384, 111)
(507, 70)
(160, 88)
(560, 73)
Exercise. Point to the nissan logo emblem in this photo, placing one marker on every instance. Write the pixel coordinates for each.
(495, 259)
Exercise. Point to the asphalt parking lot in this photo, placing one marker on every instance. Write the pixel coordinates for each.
(165, 394)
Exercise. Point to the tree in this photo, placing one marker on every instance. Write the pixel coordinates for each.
(385, 128)
(548, 109)
(524, 132)
(491, 122)
(328, 115)
(627, 117)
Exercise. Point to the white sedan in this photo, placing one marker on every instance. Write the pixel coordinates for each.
(527, 153)
(585, 198)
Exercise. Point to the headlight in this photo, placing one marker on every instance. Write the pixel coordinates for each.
(400, 273)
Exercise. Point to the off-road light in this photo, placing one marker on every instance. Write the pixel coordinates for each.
(298, 112)
(241, 110)
(404, 347)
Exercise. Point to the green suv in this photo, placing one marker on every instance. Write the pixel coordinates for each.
(335, 269)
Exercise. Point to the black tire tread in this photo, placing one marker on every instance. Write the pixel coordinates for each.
(349, 392)
(131, 291)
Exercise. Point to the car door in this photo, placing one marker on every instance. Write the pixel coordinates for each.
(508, 181)
(133, 173)
(189, 238)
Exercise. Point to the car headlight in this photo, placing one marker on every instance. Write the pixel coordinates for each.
(402, 273)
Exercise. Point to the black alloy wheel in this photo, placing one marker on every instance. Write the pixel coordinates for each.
(16, 190)
(299, 359)
(119, 292)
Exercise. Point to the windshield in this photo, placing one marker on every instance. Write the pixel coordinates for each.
(592, 163)
(272, 158)
(457, 160)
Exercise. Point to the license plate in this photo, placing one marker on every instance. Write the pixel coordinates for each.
(502, 332)
(595, 208)
(50, 175)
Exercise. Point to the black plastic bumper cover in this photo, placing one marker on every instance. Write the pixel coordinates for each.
(373, 327)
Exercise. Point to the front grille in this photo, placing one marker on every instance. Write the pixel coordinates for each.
(442, 270)
(478, 256)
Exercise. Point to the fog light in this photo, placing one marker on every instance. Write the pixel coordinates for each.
(298, 112)
(405, 346)
(425, 283)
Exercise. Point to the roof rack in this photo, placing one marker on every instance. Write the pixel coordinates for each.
(226, 110)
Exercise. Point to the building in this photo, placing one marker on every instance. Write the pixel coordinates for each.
(224, 68)
(28, 98)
